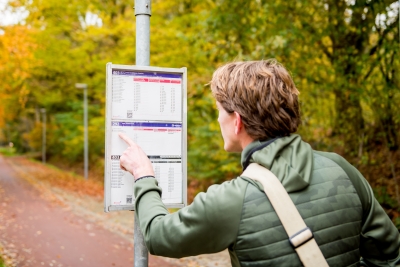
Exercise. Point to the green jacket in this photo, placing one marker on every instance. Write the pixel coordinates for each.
(333, 198)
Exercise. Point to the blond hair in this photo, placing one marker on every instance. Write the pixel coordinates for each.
(264, 95)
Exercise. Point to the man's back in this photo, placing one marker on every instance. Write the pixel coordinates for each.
(334, 200)
(329, 205)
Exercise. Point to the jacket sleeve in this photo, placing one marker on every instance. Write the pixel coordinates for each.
(209, 225)
(380, 239)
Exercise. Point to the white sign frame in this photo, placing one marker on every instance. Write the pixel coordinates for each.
(108, 206)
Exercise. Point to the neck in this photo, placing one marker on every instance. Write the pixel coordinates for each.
(245, 141)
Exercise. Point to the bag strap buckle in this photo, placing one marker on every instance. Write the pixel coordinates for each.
(301, 237)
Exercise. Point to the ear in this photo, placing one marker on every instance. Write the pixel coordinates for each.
(238, 123)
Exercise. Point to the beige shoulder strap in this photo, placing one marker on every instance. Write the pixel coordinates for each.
(300, 236)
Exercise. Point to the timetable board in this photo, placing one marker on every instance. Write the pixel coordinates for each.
(149, 105)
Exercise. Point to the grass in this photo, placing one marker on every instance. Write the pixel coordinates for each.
(2, 263)
(7, 151)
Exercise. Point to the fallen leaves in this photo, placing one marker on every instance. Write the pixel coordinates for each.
(35, 172)
(9, 254)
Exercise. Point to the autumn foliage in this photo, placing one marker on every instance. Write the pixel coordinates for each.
(343, 56)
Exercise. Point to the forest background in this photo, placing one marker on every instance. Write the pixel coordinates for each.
(342, 54)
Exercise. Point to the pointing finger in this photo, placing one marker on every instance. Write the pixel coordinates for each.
(127, 140)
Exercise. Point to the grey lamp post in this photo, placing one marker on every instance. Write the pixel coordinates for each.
(43, 111)
(85, 131)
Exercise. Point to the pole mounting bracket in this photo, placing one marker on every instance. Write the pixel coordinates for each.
(142, 7)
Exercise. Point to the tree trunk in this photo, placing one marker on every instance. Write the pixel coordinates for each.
(349, 121)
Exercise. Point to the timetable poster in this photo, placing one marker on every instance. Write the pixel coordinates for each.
(147, 107)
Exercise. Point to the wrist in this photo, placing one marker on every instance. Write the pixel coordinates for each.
(143, 172)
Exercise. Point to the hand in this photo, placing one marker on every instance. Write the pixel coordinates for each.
(134, 160)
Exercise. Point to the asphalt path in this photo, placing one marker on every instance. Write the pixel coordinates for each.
(42, 233)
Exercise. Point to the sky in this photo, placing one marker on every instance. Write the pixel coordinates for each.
(7, 17)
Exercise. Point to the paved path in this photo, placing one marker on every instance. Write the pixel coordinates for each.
(41, 233)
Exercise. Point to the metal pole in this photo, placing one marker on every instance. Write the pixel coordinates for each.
(43, 111)
(140, 252)
(85, 122)
(142, 13)
(85, 129)
(8, 137)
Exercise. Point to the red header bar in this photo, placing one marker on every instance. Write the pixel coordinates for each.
(156, 80)
(140, 79)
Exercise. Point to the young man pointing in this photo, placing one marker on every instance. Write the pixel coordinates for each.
(258, 115)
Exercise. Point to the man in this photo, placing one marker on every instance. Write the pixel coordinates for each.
(258, 115)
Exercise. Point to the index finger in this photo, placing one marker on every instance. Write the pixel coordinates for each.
(127, 140)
